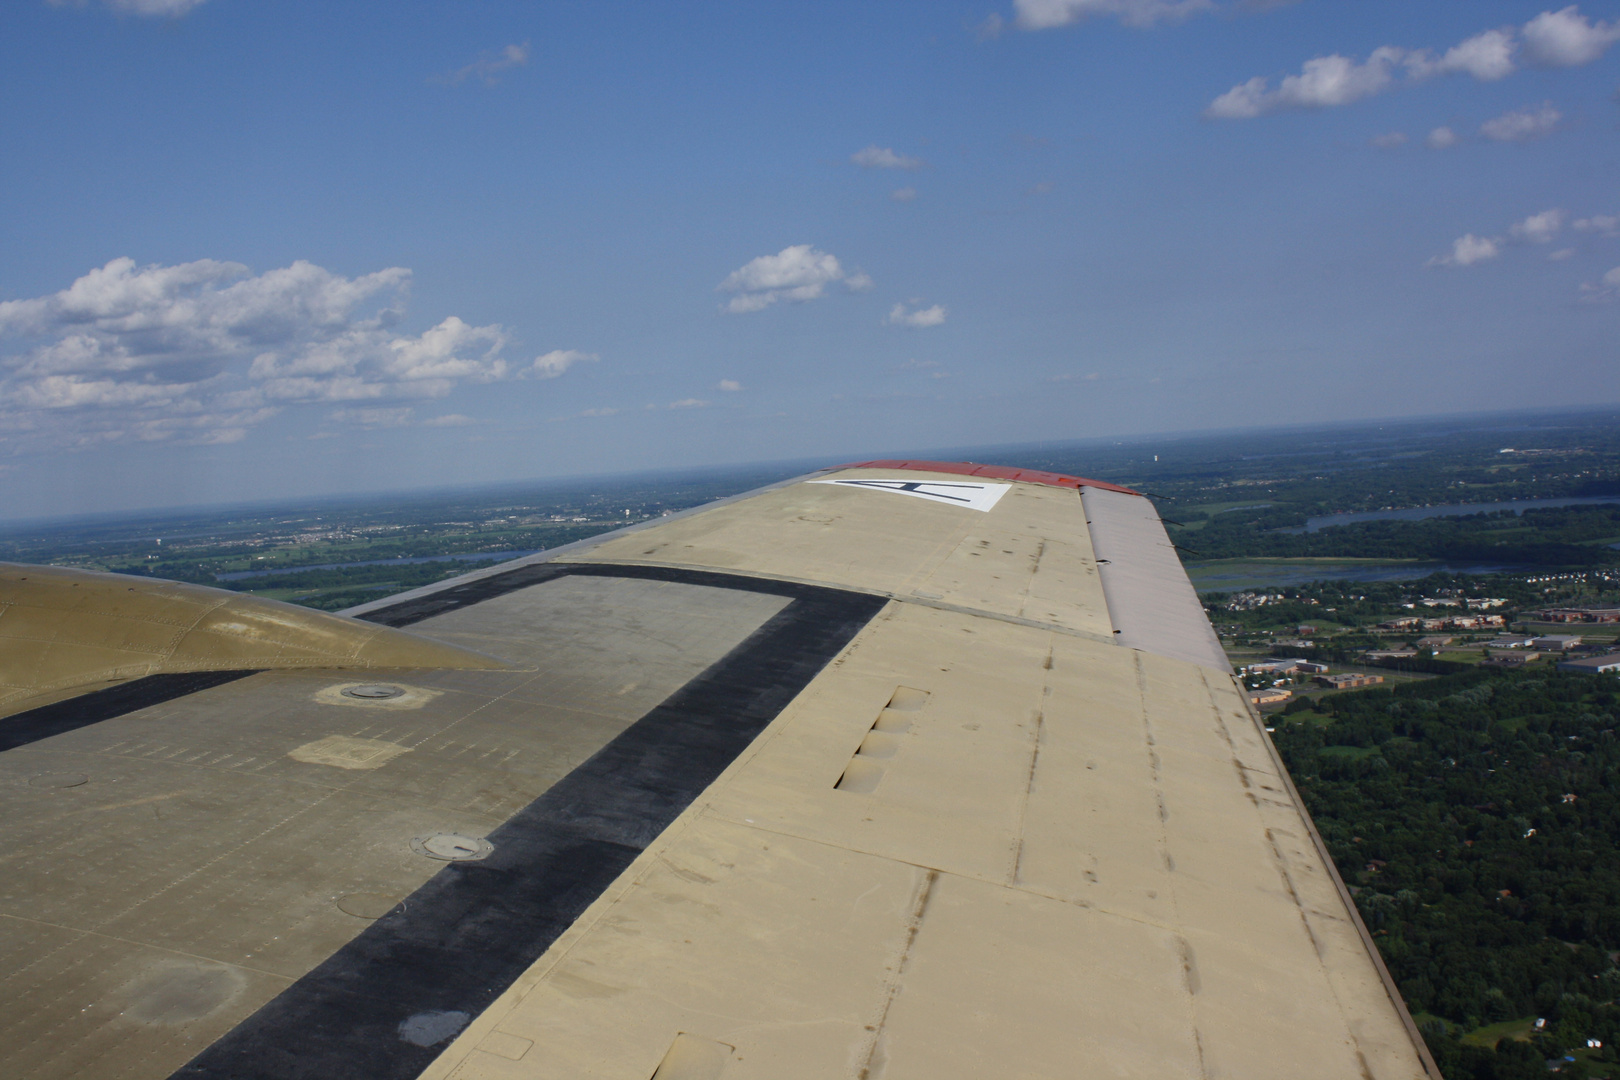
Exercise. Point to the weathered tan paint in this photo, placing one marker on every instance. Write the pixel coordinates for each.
(1078, 861)
(219, 845)
(1030, 557)
(1062, 857)
(348, 752)
(62, 629)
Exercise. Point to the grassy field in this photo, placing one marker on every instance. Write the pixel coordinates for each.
(1491, 1034)
(1220, 507)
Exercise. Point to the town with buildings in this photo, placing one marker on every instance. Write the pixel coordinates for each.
(1417, 637)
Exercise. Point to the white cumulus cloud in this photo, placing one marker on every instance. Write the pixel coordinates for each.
(373, 418)
(1487, 57)
(557, 361)
(1563, 38)
(1046, 14)
(1468, 250)
(1566, 39)
(1539, 228)
(1606, 291)
(916, 317)
(1521, 125)
(150, 8)
(1602, 224)
(882, 157)
(1441, 138)
(799, 273)
(451, 350)
(730, 386)
(1323, 82)
(488, 65)
(128, 351)
(155, 7)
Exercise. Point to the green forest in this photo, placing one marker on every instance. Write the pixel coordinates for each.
(1474, 818)
(1573, 536)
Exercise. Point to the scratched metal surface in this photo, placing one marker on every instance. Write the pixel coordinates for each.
(169, 871)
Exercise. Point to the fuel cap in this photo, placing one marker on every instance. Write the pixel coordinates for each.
(452, 847)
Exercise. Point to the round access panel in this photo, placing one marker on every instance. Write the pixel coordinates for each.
(452, 847)
(373, 691)
(58, 780)
(367, 905)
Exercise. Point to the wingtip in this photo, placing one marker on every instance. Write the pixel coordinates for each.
(989, 472)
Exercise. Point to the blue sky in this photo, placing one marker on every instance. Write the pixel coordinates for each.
(258, 249)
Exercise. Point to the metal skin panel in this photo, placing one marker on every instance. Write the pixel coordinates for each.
(1029, 558)
(1074, 862)
(820, 781)
(1150, 601)
(991, 472)
(63, 630)
(209, 852)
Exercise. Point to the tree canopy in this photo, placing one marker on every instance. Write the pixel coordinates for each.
(1474, 817)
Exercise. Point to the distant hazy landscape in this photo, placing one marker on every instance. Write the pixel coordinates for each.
(1468, 800)
(1246, 510)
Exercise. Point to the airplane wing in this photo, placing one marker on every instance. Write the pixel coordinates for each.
(901, 769)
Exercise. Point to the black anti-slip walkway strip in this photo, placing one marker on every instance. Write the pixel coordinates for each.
(93, 708)
(456, 597)
(459, 941)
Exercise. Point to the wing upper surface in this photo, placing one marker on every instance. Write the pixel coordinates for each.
(837, 779)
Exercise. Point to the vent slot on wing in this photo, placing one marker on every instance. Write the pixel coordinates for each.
(692, 1057)
(906, 699)
(882, 741)
(861, 776)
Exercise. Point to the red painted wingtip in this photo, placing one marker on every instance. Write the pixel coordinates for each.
(992, 472)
